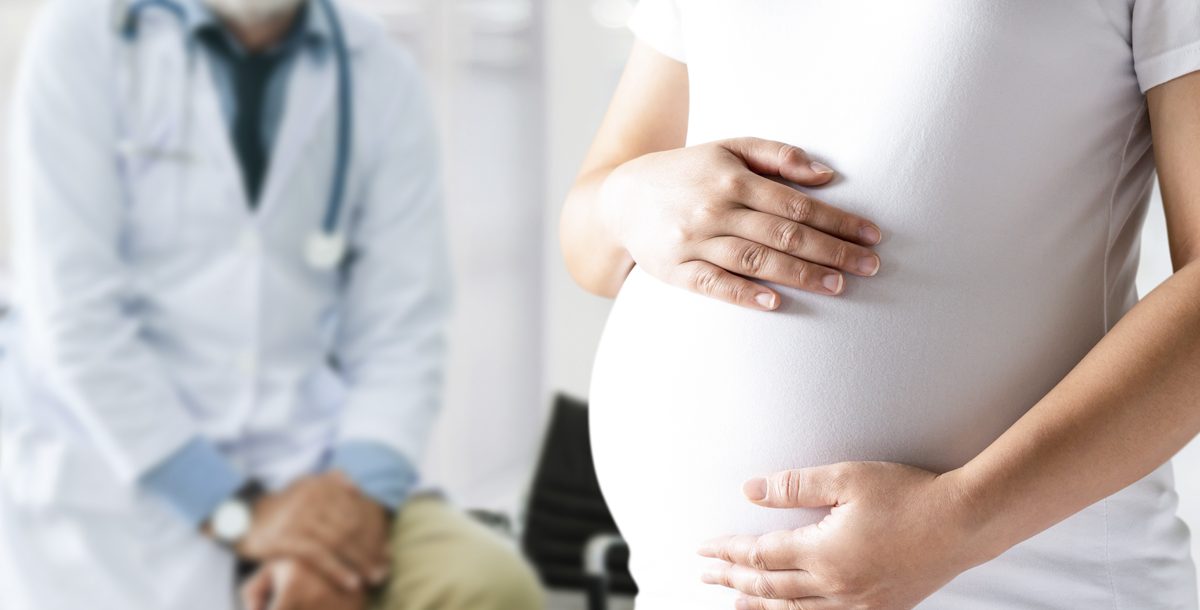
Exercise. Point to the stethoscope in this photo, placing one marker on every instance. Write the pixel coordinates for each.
(325, 248)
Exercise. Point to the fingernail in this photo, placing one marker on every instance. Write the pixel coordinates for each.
(766, 299)
(832, 283)
(820, 168)
(868, 265)
(707, 549)
(870, 235)
(710, 576)
(755, 489)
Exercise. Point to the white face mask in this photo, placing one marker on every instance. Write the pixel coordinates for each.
(252, 12)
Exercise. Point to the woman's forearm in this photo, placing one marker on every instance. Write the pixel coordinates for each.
(648, 113)
(1124, 410)
(594, 257)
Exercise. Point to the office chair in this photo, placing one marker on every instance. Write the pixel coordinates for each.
(569, 534)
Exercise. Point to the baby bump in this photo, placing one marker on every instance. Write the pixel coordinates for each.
(690, 397)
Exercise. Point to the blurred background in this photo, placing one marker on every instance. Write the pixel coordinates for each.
(520, 87)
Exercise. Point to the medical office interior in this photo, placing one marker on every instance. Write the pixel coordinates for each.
(519, 87)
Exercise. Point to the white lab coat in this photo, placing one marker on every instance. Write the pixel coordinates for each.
(151, 304)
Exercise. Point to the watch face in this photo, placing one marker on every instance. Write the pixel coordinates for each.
(231, 521)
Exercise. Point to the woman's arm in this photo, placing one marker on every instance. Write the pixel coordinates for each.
(648, 113)
(895, 534)
(703, 218)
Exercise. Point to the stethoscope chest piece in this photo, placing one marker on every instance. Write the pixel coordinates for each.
(325, 251)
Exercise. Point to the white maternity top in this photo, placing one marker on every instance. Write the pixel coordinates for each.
(1004, 148)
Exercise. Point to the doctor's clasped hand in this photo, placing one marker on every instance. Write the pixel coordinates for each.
(292, 585)
(329, 524)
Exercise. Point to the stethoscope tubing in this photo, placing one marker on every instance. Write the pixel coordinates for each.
(345, 136)
(326, 248)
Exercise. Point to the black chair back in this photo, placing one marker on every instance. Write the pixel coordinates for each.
(566, 508)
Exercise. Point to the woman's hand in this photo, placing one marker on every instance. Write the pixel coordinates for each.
(894, 535)
(705, 218)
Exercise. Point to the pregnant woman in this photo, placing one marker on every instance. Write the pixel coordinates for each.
(876, 342)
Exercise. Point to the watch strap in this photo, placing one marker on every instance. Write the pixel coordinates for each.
(251, 492)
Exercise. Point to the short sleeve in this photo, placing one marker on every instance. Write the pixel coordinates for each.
(659, 24)
(1166, 40)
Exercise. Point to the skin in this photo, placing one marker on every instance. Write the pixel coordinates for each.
(321, 542)
(262, 34)
(895, 534)
(703, 218)
(291, 585)
(327, 522)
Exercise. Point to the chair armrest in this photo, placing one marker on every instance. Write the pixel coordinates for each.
(595, 553)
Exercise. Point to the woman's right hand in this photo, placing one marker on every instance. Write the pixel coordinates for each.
(707, 218)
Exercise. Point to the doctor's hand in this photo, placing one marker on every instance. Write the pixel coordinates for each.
(706, 218)
(894, 535)
(288, 584)
(327, 522)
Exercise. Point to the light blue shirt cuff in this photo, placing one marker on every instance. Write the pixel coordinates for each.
(195, 480)
(379, 471)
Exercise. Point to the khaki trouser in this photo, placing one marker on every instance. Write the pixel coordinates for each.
(444, 560)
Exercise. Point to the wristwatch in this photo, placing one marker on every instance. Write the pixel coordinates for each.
(232, 519)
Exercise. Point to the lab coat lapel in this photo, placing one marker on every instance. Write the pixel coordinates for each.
(310, 96)
(214, 131)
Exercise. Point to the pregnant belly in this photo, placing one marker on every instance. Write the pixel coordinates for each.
(690, 397)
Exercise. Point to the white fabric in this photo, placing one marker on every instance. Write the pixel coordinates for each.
(1004, 148)
(127, 344)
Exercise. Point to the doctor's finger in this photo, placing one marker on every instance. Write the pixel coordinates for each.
(782, 550)
(353, 527)
(334, 520)
(325, 562)
(781, 584)
(752, 259)
(350, 553)
(804, 242)
(257, 590)
(806, 603)
(771, 197)
(287, 598)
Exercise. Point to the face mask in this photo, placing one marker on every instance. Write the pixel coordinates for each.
(252, 12)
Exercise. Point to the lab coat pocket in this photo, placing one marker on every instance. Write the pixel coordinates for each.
(154, 210)
(42, 471)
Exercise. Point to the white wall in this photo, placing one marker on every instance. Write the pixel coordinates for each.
(583, 63)
(14, 21)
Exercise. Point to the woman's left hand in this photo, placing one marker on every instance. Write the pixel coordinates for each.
(895, 534)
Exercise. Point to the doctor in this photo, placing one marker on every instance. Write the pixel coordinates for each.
(202, 395)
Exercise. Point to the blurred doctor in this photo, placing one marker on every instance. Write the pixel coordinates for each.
(193, 393)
